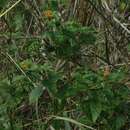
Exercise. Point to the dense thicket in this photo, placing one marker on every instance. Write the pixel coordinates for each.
(64, 64)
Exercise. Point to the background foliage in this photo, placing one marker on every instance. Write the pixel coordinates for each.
(64, 65)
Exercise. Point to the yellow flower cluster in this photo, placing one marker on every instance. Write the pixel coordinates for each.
(24, 66)
(48, 13)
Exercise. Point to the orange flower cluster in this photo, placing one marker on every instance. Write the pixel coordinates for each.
(48, 13)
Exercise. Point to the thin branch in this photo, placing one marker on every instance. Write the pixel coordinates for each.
(15, 63)
(73, 121)
(4, 13)
(121, 24)
(107, 47)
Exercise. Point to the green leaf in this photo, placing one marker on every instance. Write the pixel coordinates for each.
(117, 75)
(35, 94)
(3, 3)
(54, 5)
(118, 122)
(95, 109)
(50, 82)
(122, 6)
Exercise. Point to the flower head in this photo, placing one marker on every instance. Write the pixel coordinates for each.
(48, 13)
(24, 66)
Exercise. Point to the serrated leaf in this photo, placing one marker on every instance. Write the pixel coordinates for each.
(118, 122)
(35, 94)
(95, 109)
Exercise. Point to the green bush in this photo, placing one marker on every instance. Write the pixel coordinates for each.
(46, 83)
